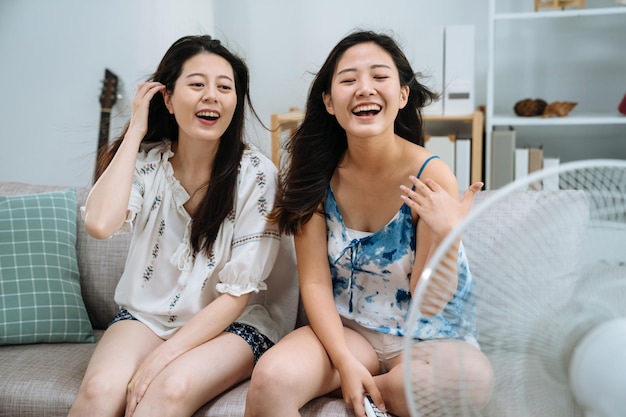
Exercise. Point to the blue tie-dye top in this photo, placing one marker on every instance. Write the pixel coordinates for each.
(371, 278)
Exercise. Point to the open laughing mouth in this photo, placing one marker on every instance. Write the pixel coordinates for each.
(208, 115)
(366, 110)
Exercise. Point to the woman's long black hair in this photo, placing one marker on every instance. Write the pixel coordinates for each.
(220, 196)
(318, 144)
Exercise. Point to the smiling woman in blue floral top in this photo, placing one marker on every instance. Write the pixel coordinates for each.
(202, 296)
(368, 205)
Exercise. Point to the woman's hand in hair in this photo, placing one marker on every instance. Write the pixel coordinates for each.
(138, 125)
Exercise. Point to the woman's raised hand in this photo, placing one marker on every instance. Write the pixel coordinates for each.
(439, 210)
(138, 125)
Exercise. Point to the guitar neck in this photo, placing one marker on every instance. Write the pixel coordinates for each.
(103, 134)
(108, 97)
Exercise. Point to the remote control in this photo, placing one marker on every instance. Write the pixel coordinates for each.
(371, 410)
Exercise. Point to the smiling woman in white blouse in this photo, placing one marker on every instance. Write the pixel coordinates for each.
(202, 296)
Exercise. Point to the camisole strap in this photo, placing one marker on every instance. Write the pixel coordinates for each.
(426, 163)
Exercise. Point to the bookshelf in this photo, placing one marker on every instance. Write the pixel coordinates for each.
(451, 125)
(580, 119)
(588, 26)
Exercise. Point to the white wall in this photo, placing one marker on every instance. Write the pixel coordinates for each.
(53, 55)
(286, 41)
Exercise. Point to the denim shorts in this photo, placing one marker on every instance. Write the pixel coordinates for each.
(258, 342)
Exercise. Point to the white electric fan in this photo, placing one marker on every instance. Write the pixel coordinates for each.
(547, 254)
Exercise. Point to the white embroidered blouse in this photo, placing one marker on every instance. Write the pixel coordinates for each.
(165, 283)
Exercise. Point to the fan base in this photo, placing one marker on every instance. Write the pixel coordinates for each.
(598, 370)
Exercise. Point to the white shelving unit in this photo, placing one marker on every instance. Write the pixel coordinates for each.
(496, 118)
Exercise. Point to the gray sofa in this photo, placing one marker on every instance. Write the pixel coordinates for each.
(42, 379)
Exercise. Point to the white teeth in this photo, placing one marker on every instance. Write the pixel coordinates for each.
(208, 114)
(367, 107)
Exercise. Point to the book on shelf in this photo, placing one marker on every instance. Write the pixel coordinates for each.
(502, 158)
(535, 159)
(527, 161)
(462, 163)
(551, 182)
(535, 163)
(442, 146)
(521, 163)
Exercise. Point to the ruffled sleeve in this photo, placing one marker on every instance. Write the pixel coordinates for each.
(255, 242)
(149, 159)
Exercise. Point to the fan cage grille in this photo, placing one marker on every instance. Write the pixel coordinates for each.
(547, 266)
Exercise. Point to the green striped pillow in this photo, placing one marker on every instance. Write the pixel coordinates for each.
(40, 298)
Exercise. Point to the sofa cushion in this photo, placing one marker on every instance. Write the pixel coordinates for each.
(42, 379)
(40, 300)
(233, 403)
(101, 263)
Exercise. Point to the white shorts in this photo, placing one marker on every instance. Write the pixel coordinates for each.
(387, 346)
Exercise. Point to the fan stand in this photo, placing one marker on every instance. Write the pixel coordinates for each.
(555, 4)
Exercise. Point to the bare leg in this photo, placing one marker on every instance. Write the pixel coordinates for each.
(297, 370)
(448, 378)
(197, 377)
(118, 354)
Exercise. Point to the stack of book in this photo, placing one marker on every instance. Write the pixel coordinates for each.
(510, 163)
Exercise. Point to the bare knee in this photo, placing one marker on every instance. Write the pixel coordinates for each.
(169, 390)
(391, 386)
(268, 381)
(99, 391)
(480, 381)
(289, 375)
(279, 385)
(453, 377)
(472, 381)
